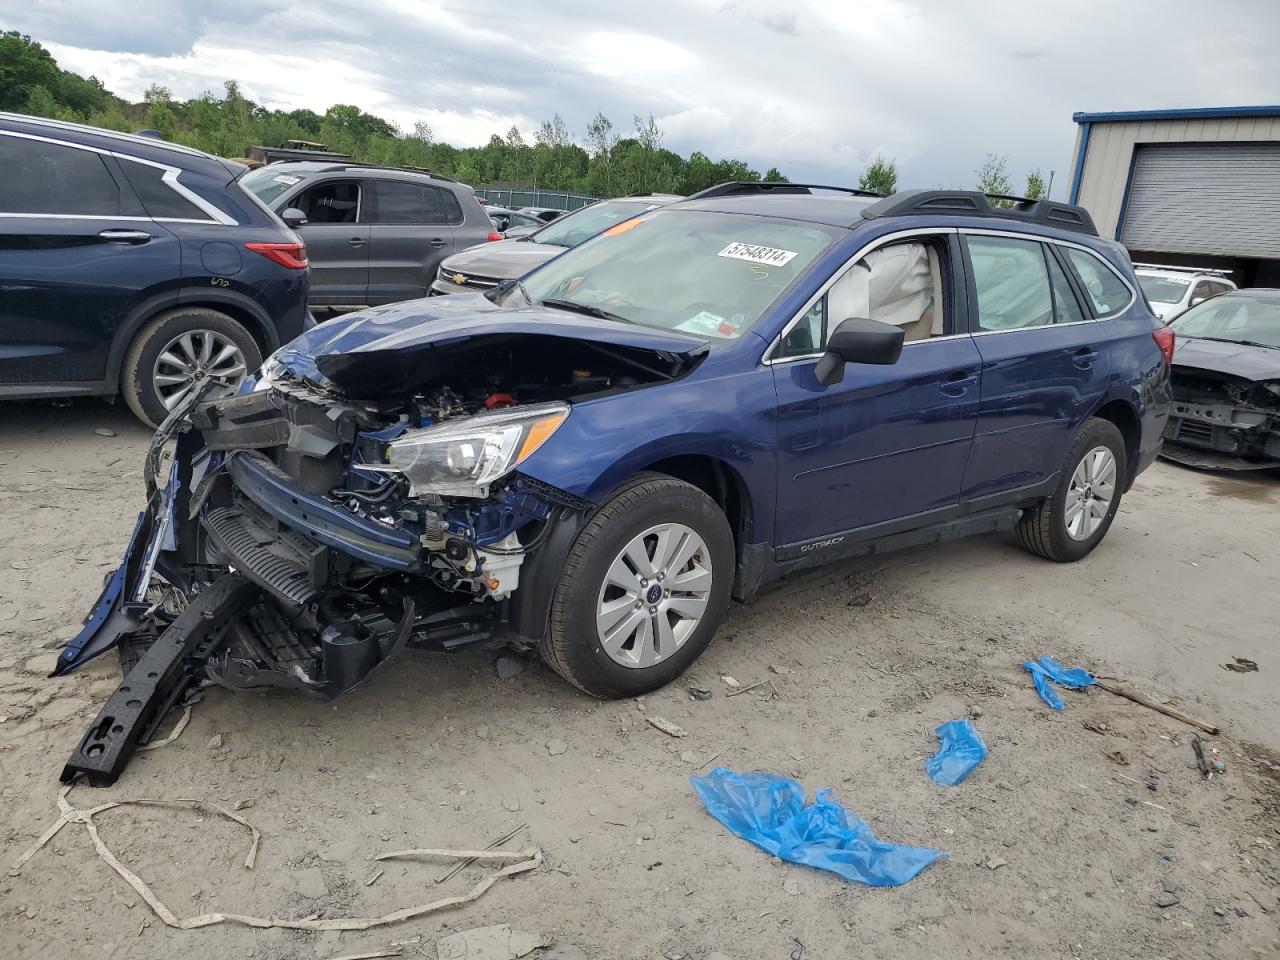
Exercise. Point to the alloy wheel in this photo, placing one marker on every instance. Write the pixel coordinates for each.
(191, 359)
(654, 595)
(1088, 499)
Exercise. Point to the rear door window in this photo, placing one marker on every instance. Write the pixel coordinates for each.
(1011, 283)
(1105, 289)
(400, 201)
(46, 178)
(1066, 308)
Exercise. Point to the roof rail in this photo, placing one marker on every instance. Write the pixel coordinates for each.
(738, 187)
(1174, 268)
(971, 203)
(356, 165)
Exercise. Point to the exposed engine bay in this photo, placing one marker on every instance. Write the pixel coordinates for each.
(314, 524)
(1223, 421)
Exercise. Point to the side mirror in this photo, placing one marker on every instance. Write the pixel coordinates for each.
(858, 340)
(293, 218)
(1197, 300)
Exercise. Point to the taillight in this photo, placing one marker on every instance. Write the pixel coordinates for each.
(1164, 340)
(290, 255)
(493, 235)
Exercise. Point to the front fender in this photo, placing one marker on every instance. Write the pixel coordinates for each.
(732, 418)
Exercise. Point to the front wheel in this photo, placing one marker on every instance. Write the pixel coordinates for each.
(1069, 523)
(644, 588)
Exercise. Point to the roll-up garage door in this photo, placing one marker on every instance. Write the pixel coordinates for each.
(1221, 199)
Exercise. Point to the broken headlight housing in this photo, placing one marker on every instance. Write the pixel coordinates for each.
(463, 457)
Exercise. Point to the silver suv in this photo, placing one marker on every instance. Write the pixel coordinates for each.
(374, 234)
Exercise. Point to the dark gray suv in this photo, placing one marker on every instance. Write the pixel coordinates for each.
(374, 234)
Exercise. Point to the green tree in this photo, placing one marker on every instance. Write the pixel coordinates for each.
(1035, 188)
(601, 142)
(881, 176)
(774, 175)
(993, 175)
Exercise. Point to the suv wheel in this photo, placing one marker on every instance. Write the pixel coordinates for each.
(180, 351)
(1072, 521)
(644, 588)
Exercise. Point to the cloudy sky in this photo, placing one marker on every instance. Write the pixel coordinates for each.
(816, 88)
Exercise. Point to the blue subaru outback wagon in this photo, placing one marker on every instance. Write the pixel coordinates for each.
(595, 458)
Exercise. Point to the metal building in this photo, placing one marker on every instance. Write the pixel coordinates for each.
(1192, 187)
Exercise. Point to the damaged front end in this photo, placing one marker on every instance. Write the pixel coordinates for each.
(1223, 421)
(363, 495)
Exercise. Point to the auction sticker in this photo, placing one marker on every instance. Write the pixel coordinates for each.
(755, 253)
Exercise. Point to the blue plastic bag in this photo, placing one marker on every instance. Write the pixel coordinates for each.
(770, 811)
(1046, 669)
(961, 752)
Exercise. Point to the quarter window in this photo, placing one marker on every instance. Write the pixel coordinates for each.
(45, 178)
(400, 201)
(1011, 280)
(158, 198)
(1102, 285)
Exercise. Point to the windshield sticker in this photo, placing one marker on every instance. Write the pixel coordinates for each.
(622, 227)
(286, 179)
(704, 321)
(754, 253)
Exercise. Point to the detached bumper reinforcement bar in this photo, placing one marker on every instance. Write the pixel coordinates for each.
(160, 678)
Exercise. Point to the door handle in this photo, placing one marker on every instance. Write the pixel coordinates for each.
(1084, 357)
(437, 242)
(958, 383)
(357, 241)
(124, 236)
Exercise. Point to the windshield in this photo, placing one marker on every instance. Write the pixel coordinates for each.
(1163, 289)
(573, 228)
(711, 274)
(267, 183)
(1236, 319)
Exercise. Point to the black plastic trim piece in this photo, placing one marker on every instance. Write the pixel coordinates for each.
(970, 203)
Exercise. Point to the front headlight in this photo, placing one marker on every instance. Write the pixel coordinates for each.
(463, 457)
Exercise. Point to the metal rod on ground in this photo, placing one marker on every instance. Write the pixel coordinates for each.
(1157, 707)
(458, 867)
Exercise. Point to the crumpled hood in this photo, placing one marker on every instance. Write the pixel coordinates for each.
(502, 260)
(1236, 359)
(367, 354)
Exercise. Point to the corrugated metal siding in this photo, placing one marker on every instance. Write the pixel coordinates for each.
(1111, 146)
(1219, 199)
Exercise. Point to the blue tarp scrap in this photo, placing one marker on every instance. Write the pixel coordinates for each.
(1046, 669)
(961, 751)
(771, 812)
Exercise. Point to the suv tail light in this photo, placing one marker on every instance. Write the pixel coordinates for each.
(1164, 340)
(290, 255)
(493, 235)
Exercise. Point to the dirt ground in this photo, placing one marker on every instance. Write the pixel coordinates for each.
(1054, 849)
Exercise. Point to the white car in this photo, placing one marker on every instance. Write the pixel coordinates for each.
(1173, 290)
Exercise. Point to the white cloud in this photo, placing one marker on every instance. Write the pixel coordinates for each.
(816, 88)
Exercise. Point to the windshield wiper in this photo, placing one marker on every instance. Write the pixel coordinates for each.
(1243, 343)
(584, 308)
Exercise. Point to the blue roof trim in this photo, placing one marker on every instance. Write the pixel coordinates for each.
(1077, 174)
(1184, 113)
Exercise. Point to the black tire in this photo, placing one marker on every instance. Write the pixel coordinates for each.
(1043, 529)
(572, 648)
(136, 382)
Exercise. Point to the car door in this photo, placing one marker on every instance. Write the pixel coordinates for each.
(337, 237)
(77, 257)
(411, 235)
(884, 449)
(1044, 366)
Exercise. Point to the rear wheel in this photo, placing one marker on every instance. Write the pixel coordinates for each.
(178, 352)
(644, 588)
(1067, 525)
